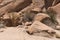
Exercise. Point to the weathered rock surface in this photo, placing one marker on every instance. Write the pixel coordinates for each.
(56, 10)
(26, 16)
(38, 5)
(15, 6)
(20, 34)
(37, 26)
(40, 16)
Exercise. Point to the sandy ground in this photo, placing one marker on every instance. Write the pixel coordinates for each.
(14, 33)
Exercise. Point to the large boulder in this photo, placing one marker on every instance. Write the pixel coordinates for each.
(38, 26)
(56, 11)
(40, 16)
(15, 6)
